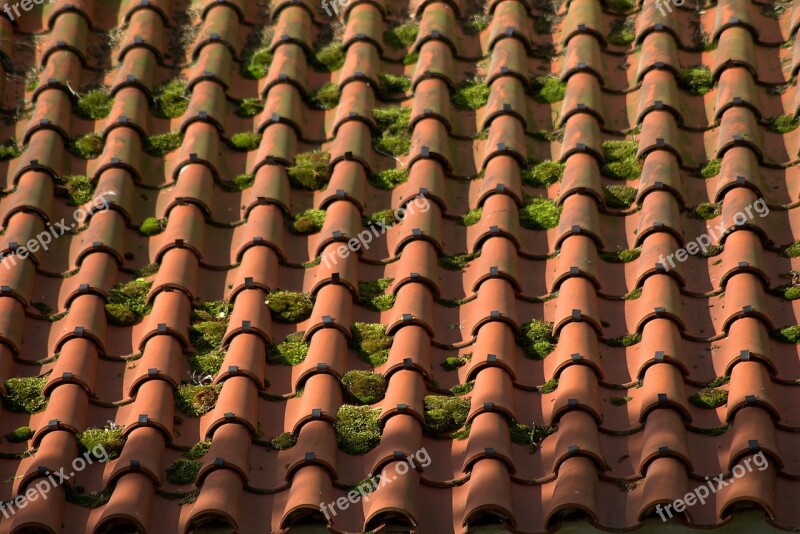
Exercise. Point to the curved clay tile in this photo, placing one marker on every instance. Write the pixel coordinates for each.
(575, 489)
(489, 493)
(130, 505)
(143, 453)
(219, 501)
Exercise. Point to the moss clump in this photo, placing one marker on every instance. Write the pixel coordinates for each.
(388, 179)
(206, 337)
(371, 343)
(792, 293)
(537, 339)
(709, 398)
(472, 217)
(308, 222)
(291, 351)
(621, 256)
(289, 306)
(284, 441)
(394, 138)
(633, 295)
(411, 58)
(24, 394)
(383, 217)
(10, 150)
(620, 5)
(127, 303)
(212, 310)
(548, 89)
(311, 170)
(95, 104)
(87, 146)
(711, 168)
(77, 495)
(543, 174)
(539, 213)
(697, 80)
(358, 429)
(457, 262)
(372, 295)
(789, 334)
(708, 210)
(244, 141)
(401, 36)
(620, 401)
(326, 97)
(792, 251)
(18, 435)
(624, 341)
(42, 307)
(475, 24)
(462, 389)
(77, 190)
(256, 64)
(330, 57)
(195, 400)
(775, 10)
(110, 438)
(171, 100)
(152, 226)
(619, 196)
(783, 124)
(472, 94)
(364, 387)
(249, 107)
(391, 84)
(240, 182)
(445, 414)
(549, 386)
(623, 32)
(621, 162)
(524, 435)
(160, 145)
(451, 363)
(183, 471)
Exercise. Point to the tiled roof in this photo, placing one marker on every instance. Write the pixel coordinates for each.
(531, 320)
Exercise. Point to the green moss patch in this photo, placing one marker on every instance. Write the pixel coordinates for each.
(127, 302)
(472, 94)
(456, 262)
(411, 59)
(445, 414)
(152, 226)
(330, 57)
(373, 296)
(212, 310)
(789, 334)
(792, 293)
(358, 429)
(621, 162)
(619, 196)
(371, 343)
(623, 32)
(19, 435)
(621, 256)
(256, 64)
(94, 499)
(110, 438)
(171, 100)
(326, 97)
(289, 306)
(388, 179)
(42, 307)
(624, 341)
(462, 389)
(475, 24)
(24, 394)
(537, 339)
(708, 210)
(543, 174)
(87, 146)
(311, 170)
(10, 150)
(160, 145)
(383, 217)
(709, 398)
(391, 84)
(242, 181)
(284, 441)
(524, 435)
(621, 6)
(472, 217)
(364, 387)
(249, 107)
(711, 168)
(183, 471)
(401, 36)
(206, 338)
(76, 189)
(539, 213)
(291, 351)
(548, 89)
(633, 295)
(94, 104)
(308, 222)
(620, 401)
(196, 400)
(394, 138)
(792, 251)
(244, 141)
(783, 124)
(549, 386)
(777, 9)
(697, 80)
(451, 363)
